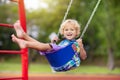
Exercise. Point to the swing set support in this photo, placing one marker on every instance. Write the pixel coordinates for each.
(22, 52)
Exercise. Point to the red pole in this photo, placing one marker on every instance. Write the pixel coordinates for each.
(10, 52)
(6, 25)
(22, 15)
(24, 54)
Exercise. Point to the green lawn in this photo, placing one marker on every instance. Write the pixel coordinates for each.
(44, 68)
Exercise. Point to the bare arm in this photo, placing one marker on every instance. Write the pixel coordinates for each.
(83, 54)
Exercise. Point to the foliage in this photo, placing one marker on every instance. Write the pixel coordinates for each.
(7, 17)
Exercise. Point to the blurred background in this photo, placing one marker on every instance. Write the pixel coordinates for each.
(101, 40)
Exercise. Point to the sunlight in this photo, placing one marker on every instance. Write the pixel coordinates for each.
(35, 4)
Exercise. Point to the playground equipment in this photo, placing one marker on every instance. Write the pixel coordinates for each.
(22, 52)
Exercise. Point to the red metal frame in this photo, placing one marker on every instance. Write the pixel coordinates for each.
(23, 52)
(10, 52)
(6, 25)
(24, 56)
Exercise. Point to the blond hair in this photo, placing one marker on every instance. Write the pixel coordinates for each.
(72, 22)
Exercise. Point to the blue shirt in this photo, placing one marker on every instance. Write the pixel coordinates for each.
(66, 42)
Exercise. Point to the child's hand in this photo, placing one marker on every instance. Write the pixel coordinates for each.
(79, 42)
(55, 39)
(83, 54)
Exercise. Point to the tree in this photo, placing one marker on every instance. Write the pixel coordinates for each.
(107, 31)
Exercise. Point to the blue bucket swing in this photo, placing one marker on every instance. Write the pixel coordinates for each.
(64, 55)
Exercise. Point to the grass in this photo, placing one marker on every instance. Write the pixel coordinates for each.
(45, 68)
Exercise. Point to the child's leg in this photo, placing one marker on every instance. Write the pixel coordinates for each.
(31, 44)
(20, 32)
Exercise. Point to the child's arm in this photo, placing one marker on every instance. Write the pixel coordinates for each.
(83, 54)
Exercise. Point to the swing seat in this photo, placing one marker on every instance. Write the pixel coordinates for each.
(62, 56)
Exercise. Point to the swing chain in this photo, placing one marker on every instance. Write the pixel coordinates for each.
(66, 13)
(89, 20)
(69, 6)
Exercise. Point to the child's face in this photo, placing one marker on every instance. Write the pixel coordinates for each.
(69, 32)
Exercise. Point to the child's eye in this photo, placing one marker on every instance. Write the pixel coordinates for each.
(72, 29)
(66, 29)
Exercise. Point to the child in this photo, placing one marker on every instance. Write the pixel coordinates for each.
(70, 29)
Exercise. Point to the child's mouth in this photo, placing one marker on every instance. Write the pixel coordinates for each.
(69, 34)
